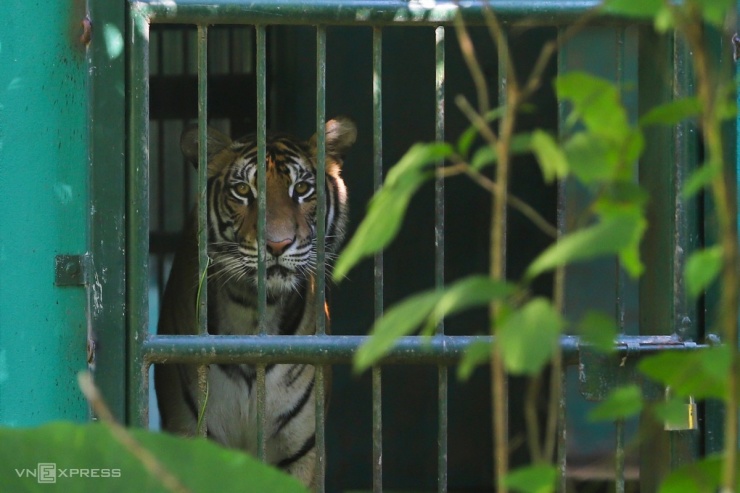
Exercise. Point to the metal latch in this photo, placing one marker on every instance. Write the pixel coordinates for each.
(686, 420)
(71, 270)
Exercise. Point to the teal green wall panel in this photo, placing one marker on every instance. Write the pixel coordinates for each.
(43, 209)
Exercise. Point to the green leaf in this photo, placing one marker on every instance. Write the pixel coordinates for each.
(430, 306)
(672, 411)
(468, 136)
(591, 157)
(700, 178)
(532, 479)
(552, 159)
(528, 337)
(672, 113)
(702, 268)
(621, 403)
(664, 20)
(388, 207)
(715, 11)
(476, 354)
(400, 320)
(486, 155)
(611, 235)
(596, 102)
(467, 293)
(599, 330)
(701, 373)
(199, 464)
(701, 476)
(645, 9)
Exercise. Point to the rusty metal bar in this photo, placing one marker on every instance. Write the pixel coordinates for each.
(377, 408)
(319, 478)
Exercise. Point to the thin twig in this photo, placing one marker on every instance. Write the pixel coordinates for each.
(143, 455)
(477, 120)
(468, 52)
(492, 187)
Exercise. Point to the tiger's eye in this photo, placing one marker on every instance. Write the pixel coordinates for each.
(242, 189)
(301, 187)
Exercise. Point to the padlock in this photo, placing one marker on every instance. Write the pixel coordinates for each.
(689, 418)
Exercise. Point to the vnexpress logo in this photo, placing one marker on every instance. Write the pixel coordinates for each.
(47, 472)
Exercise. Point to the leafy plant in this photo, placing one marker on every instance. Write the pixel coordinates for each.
(599, 148)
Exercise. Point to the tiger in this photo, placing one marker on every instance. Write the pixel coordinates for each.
(291, 261)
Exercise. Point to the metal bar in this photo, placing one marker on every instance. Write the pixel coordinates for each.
(202, 301)
(108, 200)
(619, 308)
(619, 457)
(137, 225)
(320, 179)
(441, 349)
(359, 12)
(261, 177)
(261, 224)
(319, 397)
(439, 255)
(261, 414)
(377, 411)
(377, 408)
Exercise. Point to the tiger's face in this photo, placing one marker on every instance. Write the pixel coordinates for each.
(291, 199)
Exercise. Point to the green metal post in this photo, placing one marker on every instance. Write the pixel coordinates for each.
(665, 247)
(107, 219)
(137, 224)
(44, 202)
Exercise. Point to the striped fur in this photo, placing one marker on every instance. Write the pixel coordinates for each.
(290, 234)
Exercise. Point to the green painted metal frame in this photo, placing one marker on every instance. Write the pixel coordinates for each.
(108, 200)
(440, 350)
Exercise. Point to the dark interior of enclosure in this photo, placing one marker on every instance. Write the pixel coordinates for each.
(409, 392)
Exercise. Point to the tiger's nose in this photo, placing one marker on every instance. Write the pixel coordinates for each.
(277, 248)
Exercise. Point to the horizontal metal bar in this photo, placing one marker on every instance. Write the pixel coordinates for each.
(437, 350)
(367, 12)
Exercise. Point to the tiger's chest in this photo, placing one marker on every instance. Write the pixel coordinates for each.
(233, 310)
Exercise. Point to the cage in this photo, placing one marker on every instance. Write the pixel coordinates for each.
(395, 69)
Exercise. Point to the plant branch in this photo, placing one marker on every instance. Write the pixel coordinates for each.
(688, 20)
(461, 167)
(143, 455)
(476, 72)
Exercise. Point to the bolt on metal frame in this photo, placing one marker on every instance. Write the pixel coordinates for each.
(260, 350)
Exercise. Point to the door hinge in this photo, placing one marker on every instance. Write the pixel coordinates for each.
(71, 270)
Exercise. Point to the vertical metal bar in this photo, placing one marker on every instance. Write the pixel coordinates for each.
(562, 449)
(377, 49)
(620, 277)
(261, 176)
(619, 457)
(439, 254)
(108, 200)
(319, 396)
(320, 178)
(261, 223)
(202, 301)
(137, 260)
(161, 176)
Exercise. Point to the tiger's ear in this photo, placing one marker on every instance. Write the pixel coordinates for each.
(189, 145)
(341, 133)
